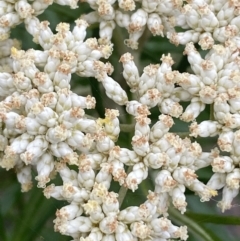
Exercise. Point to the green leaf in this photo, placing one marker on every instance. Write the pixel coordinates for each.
(216, 219)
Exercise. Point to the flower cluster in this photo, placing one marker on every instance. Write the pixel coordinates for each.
(44, 128)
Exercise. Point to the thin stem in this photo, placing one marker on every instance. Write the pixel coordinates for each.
(211, 113)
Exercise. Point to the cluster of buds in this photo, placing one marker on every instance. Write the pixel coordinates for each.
(44, 127)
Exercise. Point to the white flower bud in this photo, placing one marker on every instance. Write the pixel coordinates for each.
(62, 77)
(217, 181)
(224, 33)
(136, 176)
(94, 159)
(189, 157)
(43, 83)
(110, 124)
(104, 176)
(161, 127)
(108, 225)
(142, 125)
(33, 127)
(135, 108)
(166, 7)
(179, 198)
(17, 146)
(206, 41)
(7, 86)
(140, 230)
(24, 9)
(138, 21)
(57, 134)
(99, 192)
(103, 142)
(124, 155)
(140, 143)
(184, 175)
(205, 159)
(156, 160)
(163, 203)
(165, 81)
(208, 94)
(74, 194)
(225, 140)
(232, 121)
(164, 182)
(32, 26)
(60, 149)
(6, 7)
(86, 175)
(44, 115)
(24, 176)
(225, 12)
(218, 55)
(194, 58)
(204, 192)
(118, 172)
(179, 94)
(67, 175)
(205, 128)
(222, 164)
(72, 3)
(71, 227)
(233, 179)
(34, 150)
(21, 82)
(10, 20)
(93, 209)
(148, 78)
(130, 71)
(170, 107)
(228, 195)
(95, 234)
(154, 23)
(69, 212)
(105, 10)
(106, 29)
(113, 90)
(53, 61)
(193, 110)
(40, 5)
(208, 20)
(151, 98)
(15, 122)
(234, 100)
(183, 37)
(4, 33)
(123, 19)
(161, 227)
(221, 107)
(123, 233)
(45, 166)
(45, 35)
(191, 83)
(79, 30)
(110, 205)
(129, 215)
(208, 72)
(53, 191)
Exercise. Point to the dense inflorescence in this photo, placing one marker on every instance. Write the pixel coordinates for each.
(44, 127)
